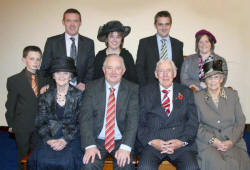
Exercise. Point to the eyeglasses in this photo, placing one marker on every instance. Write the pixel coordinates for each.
(215, 77)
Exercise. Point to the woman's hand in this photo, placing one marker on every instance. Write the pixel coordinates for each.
(57, 144)
(194, 87)
(225, 145)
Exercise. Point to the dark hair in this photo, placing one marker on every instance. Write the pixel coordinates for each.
(198, 39)
(72, 11)
(163, 14)
(120, 34)
(27, 49)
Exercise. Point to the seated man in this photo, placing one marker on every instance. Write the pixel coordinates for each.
(109, 117)
(168, 122)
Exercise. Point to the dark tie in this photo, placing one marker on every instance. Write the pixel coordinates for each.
(73, 50)
(164, 51)
(110, 122)
(166, 102)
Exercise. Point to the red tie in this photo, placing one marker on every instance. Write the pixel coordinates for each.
(110, 122)
(166, 102)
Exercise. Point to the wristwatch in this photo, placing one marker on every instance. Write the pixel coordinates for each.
(211, 141)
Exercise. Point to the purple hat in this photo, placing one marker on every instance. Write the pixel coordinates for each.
(201, 32)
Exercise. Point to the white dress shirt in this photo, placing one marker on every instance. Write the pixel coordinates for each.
(170, 95)
(68, 42)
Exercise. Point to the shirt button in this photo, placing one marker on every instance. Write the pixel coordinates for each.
(173, 128)
(219, 130)
(218, 121)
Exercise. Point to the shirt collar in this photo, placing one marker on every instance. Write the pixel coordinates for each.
(67, 37)
(115, 86)
(159, 38)
(168, 89)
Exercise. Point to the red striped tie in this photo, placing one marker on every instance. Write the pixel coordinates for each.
(110, 122)
(166, 102)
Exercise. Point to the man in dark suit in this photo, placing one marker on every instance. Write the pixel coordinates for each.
(156, 47)
(21, 105)
(168, 122)
(109, 117)
(72, 44)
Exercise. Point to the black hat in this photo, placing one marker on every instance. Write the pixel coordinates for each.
(62, 64)
(211, 68)
(112, 26)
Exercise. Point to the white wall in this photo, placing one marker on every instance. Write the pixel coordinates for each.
(29, 22)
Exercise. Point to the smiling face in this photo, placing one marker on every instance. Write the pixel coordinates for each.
(62, 78)
(114, 40)
(72, 23)
(113, 70)
(204, 45)
(32, 61)
(214, 82)
(165, 73)
(163, 26)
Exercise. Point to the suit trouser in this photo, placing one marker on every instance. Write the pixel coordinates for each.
(150, 161)
(25, 143)
(98, 164)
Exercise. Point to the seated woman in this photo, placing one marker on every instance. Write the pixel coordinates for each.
(113, 33)
(57, 122)
(192, 67)
(219, 138)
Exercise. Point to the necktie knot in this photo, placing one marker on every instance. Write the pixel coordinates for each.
(33, 76)
(165, 91)
(72, 39)
(112, 90)
(163, 41)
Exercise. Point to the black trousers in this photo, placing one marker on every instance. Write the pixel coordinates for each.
(150, 161)
(98, 164)
(25, 143)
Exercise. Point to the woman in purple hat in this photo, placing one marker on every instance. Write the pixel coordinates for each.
(113, 34)
(192, 68)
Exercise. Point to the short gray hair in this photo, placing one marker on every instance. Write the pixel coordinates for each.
(166, 61)
(116, 56)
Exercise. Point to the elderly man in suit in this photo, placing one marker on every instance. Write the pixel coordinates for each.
(168, 122)
(72, 44)
(109, 117)
(156, 47)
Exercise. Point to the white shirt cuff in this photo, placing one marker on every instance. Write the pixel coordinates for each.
(90, 146)
(125, 147)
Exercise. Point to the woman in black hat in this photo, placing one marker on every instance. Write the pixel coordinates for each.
(192, 67)
(57, 121)
(113, 34)
(219, 138)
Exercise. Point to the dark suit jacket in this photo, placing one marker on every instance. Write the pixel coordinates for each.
(56, 47)
(21, 104)
(93, 112)
(47, 122)
(182, 123)
(148, 56)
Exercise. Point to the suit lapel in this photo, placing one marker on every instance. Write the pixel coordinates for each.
(81, 49)
(174, 50)
(121, 96)
(156, 101)
(62, 45)
(176, 102)
(210, 102)
(26, 84)
(101, 98)
(154, 45)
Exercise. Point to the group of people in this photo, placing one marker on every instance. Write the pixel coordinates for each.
(78, 108)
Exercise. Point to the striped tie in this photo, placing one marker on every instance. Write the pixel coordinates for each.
(164, 51)
(110, 122)
(34, 84)
(166, 102)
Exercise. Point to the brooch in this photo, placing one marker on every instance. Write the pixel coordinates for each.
(180, 96)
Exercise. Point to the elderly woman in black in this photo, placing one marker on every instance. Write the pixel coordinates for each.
(57, 122)
(219, 138)
(192, 68)
(113, 34)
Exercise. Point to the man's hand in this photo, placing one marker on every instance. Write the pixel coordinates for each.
(122, 156)
(90, 154)
(159, 144)
(10, 130)
(44, 89)
(172, 145)
(81, 86)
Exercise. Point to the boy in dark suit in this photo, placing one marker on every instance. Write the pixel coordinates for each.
(23, 91)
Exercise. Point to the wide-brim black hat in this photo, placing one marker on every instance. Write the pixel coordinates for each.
(112, 26)
(211, 68)
(65, 64)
